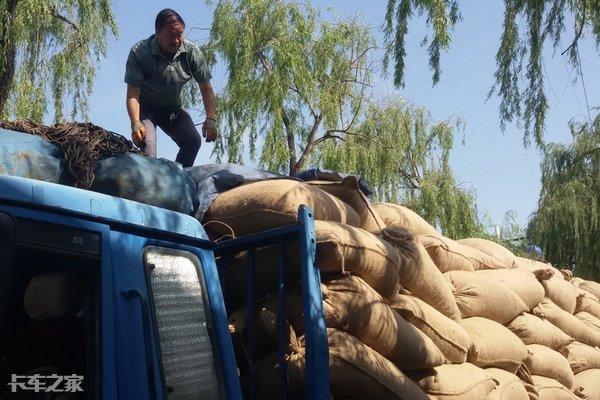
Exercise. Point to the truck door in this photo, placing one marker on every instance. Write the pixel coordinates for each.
(171, 321)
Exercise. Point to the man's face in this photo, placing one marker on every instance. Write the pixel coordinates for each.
(170, 37)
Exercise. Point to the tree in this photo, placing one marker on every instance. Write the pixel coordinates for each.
(406, 158)
(49, 51)
(567, 222)
(293, 82)
(519, 78)
(442, 15)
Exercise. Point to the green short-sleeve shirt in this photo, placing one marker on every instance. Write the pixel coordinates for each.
(160, 79)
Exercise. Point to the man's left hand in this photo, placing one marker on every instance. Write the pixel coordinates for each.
(209, 129)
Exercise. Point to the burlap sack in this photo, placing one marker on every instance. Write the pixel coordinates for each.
(566, 322)
(419, 275)
(533, 266)
(480, 296)
(356, 371)
(525, 376)
(353, 250)
(349, 192)
(264, 331)
(456, 382)
(352, 306)
(523, 283)
(269, 204)
(493, 345)
(567, 274)
(587, 384)
(510, 387)
(561, 292)
(450, 255)
(590, 321)
(499, 252)
(394, 214)
(544, 361)
(451, 338)
(446, 254)
(588, 303)
(340, 248)
(590, 286)
(534, 330)
(581, 356)
(551, 389)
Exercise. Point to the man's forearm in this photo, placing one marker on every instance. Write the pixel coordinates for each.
(209, 100)
(133, 103)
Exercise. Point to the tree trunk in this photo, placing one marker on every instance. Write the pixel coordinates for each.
(310, 144)
(9, 50)
(291, 141)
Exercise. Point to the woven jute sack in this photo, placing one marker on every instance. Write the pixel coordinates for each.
(523, 283)
(342, 248)
(510, 387)
(394, 214)
(273, 203)
(534, 330)
(493, 345)
(581, 356)
(481, 296)
(456, 382)
(587, 384)
(451, 338)
(544, 361)
(446, 254)
(450, 255)
(551, 389)
(264, 329)
(590, 321)
(525, 377)
(568, 323)
(590, 286)
(355, 371)
(534, 265)
(499, 252)
(350, 305)
(419, 275)
(588, 303)
(349, 192)
(561, 292)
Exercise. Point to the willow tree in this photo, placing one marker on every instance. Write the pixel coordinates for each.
(519, 78)
(49, 52)
(406, 158)
(294, 81)
(567, 222)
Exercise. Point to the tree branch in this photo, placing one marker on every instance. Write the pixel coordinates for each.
(579, 31)
(55, 14)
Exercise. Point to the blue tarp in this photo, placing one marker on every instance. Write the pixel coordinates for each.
(30, 156)
(153, 181)
(212, 179)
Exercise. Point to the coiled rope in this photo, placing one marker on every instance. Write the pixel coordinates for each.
(83, 144)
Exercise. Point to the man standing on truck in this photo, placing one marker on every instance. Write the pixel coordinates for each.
(157, 69)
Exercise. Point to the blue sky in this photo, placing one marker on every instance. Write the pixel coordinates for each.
(502, 172)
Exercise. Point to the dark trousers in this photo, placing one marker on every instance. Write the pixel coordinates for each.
(178, 125)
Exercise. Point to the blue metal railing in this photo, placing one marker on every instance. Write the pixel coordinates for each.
(316, 349)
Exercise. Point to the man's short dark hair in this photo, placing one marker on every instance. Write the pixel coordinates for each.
(167, 16)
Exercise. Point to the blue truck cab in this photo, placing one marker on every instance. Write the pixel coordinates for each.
(105, 298)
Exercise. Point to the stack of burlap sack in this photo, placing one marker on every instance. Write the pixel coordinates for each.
(410, 314)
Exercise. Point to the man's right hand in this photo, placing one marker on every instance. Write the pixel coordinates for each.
(138, 134)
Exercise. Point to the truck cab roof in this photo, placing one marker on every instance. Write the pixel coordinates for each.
(96, 206)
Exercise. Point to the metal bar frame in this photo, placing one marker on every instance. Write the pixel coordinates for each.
(316, 346)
